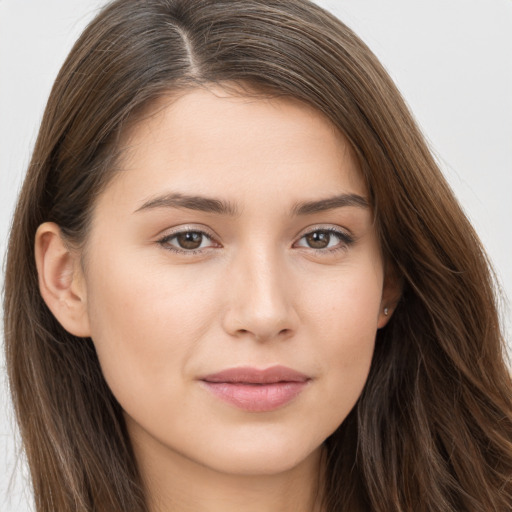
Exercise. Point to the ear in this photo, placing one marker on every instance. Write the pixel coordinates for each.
(61, 280)
(391, 293)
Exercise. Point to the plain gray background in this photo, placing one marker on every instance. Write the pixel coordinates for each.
(452, 60)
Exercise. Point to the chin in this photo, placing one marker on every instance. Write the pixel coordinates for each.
(266, 456)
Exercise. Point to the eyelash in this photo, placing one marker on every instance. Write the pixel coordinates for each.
(346, 241)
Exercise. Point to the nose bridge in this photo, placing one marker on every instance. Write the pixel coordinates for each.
(260, 300)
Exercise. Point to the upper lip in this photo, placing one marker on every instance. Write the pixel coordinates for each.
(250, 375)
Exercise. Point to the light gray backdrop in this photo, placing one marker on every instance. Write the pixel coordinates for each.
(451, 60)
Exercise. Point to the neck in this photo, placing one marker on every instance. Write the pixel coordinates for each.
(178, 484)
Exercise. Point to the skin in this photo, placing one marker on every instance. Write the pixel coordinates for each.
(256, 294)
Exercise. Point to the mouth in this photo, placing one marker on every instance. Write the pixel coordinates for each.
(256, 390)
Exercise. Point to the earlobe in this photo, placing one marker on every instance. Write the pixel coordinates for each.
(61, 280)
(384, 316)
(391, 293)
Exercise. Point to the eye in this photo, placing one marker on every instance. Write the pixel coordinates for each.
(325, 239)
(187, 241)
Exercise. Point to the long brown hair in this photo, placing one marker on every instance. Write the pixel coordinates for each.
(432, 430)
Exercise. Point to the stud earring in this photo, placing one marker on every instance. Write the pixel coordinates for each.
(386, 311)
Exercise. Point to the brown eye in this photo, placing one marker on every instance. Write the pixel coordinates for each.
(318, 239)
(326, 241)
(189, 240)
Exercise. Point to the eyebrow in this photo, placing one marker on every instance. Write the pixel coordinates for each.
(329, 203)
(221, 207)
(190, 202)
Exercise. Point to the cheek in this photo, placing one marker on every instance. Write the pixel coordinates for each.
(145, 323)
(344, 320)
(347, 303)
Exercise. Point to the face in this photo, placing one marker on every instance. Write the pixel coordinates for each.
(234, 282)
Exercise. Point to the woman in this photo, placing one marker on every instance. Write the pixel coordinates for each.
(237, 280)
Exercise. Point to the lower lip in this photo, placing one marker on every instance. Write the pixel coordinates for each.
(256, 397)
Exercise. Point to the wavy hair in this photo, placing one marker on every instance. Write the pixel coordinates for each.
(432, 430)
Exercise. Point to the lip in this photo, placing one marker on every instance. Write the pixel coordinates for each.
(256, 390)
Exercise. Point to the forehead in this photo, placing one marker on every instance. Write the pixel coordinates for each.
(216, 142)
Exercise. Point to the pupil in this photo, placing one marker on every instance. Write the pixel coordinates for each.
(190, 240)
(318, 239)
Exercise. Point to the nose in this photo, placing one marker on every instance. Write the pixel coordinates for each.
(260, 298)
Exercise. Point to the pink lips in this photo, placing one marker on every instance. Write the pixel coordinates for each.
(256, 390)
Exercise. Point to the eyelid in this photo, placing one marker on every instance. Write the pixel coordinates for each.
(186, 228)
(333, 228)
